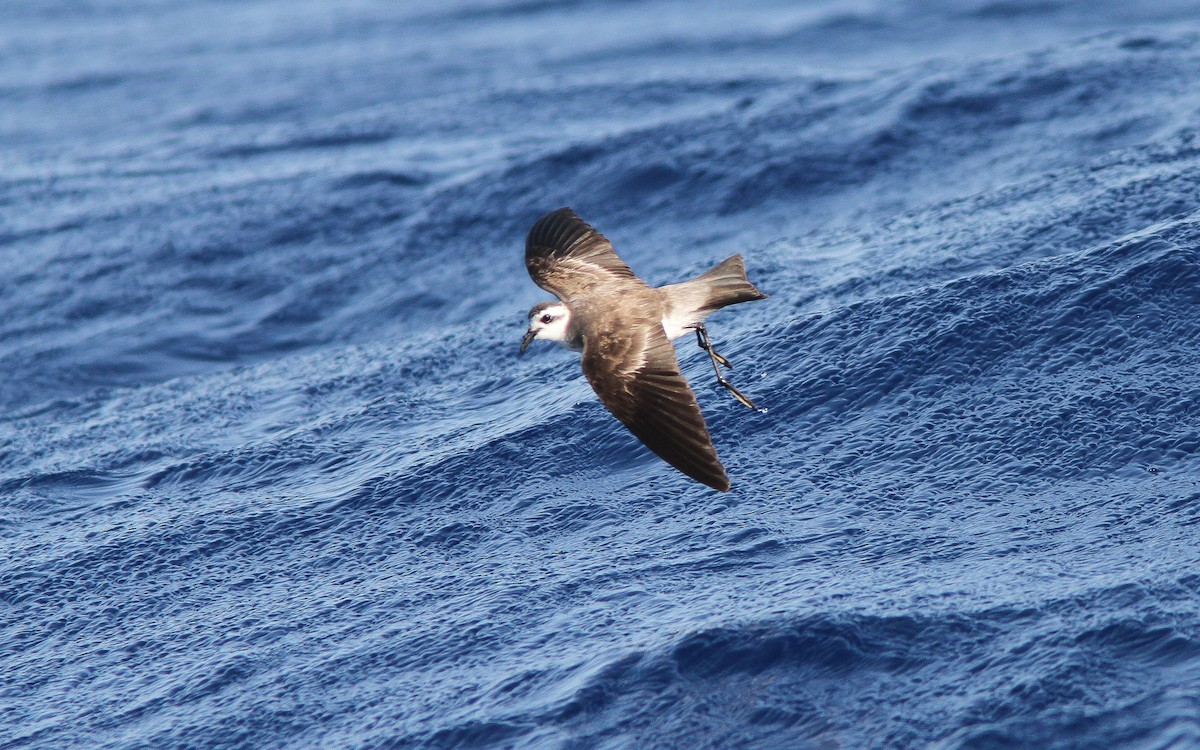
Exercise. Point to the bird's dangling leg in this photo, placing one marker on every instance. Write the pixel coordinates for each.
(717, 361)
(703, 342)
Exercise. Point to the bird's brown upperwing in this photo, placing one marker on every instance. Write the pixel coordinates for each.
(634, 371)
(566, 256)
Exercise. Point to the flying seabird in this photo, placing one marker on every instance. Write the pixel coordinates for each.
(624, 329)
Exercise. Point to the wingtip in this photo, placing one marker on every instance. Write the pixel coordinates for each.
(719, 482)
(557, 229)
(563, 212)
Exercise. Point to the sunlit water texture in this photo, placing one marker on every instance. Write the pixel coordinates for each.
(273, 476)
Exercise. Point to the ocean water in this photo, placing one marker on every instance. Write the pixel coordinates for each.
(272, 474)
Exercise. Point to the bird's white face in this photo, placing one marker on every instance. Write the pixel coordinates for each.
(549, 321)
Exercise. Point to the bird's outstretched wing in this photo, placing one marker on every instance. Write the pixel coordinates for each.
(636, 375)
(566, 256)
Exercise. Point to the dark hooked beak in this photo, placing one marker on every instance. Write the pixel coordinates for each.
(529, 336)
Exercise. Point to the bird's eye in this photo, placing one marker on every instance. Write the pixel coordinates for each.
(547, 318)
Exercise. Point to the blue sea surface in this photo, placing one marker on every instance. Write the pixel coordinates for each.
(272, 474)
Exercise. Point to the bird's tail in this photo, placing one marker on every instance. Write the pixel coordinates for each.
(724, 284)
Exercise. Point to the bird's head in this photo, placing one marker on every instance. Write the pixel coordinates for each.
(549, 321)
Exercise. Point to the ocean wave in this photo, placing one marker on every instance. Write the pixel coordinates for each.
(273, 474)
